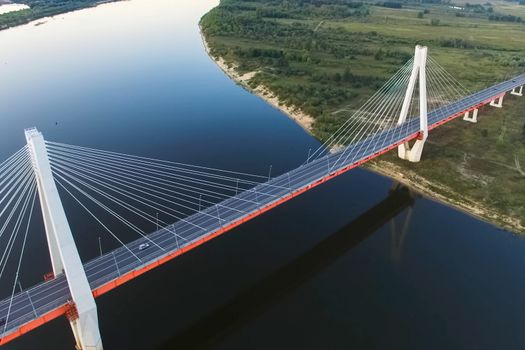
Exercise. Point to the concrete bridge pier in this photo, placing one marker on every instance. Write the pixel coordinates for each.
(498, 104)
(411, 153)
(84, 325)
(473, 118)
(65, 259)
(517, 91)
(419, 73)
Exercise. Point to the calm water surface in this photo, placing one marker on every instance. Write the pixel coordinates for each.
(354, 267)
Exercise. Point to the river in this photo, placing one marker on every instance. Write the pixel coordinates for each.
(133, 77)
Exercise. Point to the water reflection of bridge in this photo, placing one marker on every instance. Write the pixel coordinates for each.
(254, 301)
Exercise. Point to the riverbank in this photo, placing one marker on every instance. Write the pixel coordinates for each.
(304, 120)
(444, 195)
(432, 189)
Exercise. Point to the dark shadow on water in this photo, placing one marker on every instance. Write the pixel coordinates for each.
(250, 303)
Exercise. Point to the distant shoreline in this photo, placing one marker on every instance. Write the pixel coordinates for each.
(42, 13)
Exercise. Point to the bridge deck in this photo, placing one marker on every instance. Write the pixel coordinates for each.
(48, 300)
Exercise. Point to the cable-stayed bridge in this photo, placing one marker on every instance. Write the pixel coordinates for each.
(189, 205)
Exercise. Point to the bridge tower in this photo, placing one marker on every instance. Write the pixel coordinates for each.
(405, 151)
(64, 254)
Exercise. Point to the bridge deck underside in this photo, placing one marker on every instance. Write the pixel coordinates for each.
(33, 307)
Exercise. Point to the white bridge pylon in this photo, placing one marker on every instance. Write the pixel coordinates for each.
(62, 248)
(413, 154)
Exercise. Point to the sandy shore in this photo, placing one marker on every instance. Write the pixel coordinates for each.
(439, 193)
(382, 167)
(304, 120)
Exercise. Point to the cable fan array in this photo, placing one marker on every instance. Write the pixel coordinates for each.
(380, 114)
(17, 200)
(143, 194)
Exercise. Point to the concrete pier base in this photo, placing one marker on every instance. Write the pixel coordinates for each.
(412, 154)
(473, 118)
(517, 91)
(499, 103)
(85, 330)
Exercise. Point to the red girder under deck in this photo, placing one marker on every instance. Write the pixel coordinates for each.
(62, 310)
(50, 316)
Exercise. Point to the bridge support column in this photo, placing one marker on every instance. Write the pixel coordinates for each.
(498, 104)
(473, 118)
(405, 151)
(517, 91)
(411, 153)
(64, 254)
